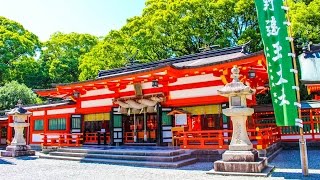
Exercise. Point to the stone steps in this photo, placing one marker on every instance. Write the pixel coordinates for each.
(137, 152)
(170, 158)
(125, 157)
(125, 162)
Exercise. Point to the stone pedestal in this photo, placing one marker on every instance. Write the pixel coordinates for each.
(241, 161)
(18, 150)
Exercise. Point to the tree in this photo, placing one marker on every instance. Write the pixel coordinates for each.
(11, 92)
(61, 54)
(305, 19)
(174, 28)
(15, 43)
(26, 70)
(107, 54)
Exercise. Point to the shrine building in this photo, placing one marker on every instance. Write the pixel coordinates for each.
(168, 102)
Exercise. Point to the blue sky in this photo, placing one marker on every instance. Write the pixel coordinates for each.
(44, 17)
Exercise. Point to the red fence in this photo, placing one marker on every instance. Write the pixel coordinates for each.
(62, 140)
(311, 125)
(93, 138)
(220, 139)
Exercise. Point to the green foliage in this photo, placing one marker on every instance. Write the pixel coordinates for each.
(60, 56)
(107, 54)
(16, 43)
(170, 28)
(305, 19)
(11, 92)
(26, 70)
(166, 28)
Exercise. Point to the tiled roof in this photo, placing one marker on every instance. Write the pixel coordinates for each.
(52, 104)
(203, 58)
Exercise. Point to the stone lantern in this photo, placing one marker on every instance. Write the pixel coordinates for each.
(241, 157)
(18, 146)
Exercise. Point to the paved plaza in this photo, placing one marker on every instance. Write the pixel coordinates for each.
(287, 163)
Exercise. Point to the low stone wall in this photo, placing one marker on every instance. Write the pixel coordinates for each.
(207, 155)
(295, 145)
(270, 150)
(214, 155)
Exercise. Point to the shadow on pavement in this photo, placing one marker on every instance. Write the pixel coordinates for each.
(288, 165)
(296, 175)
(27, 157)
(4, 161)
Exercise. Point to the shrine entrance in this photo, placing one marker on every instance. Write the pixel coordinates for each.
(96, 128)
(140, 128)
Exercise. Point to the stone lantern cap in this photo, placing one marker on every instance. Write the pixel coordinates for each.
(235, 87)
(19, 110)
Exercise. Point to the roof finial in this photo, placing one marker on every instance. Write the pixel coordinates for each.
(19, 103)
(235, 73)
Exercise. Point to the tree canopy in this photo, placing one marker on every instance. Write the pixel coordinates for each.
(61, 54)
(165, 29)
(12, 91)
(16, 43)
(174, 28)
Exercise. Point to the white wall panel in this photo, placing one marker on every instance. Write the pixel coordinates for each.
(196, 92)
(195, 79)
(97, 92)
(38, 113)
(96, 103)
(61, 111)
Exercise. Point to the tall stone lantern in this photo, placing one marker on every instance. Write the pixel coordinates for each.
(241, 157)
(18, 146)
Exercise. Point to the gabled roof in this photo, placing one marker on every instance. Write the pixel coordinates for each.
(52, 104)
(3, 118)
(193, 60)
(214, 61)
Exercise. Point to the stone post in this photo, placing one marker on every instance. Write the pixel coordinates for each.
(18, 145)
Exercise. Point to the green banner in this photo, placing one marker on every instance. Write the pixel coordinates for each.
(273, 28)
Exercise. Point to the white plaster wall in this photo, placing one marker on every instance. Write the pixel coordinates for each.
(146, 85)
(38, 113)
(195, 79)
(196, 92)
(97, 92)
(37, 138)
(61, 111)
(96, 103)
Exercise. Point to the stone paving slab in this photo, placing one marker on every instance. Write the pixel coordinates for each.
(265, 173)
(287, 165)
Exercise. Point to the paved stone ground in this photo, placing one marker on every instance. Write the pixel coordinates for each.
(287, 163)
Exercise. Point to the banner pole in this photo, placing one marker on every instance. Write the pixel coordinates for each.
(302, 141)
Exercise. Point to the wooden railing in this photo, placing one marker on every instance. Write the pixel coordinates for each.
(220, 139)
(128, 137)
(62, 140)
(311, 125)
(97, 138)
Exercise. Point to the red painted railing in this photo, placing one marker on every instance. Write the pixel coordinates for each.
(311, 125)
(220, 139)
(92, 138)
(62, 140)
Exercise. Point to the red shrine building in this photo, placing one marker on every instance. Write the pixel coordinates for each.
(171, 101)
